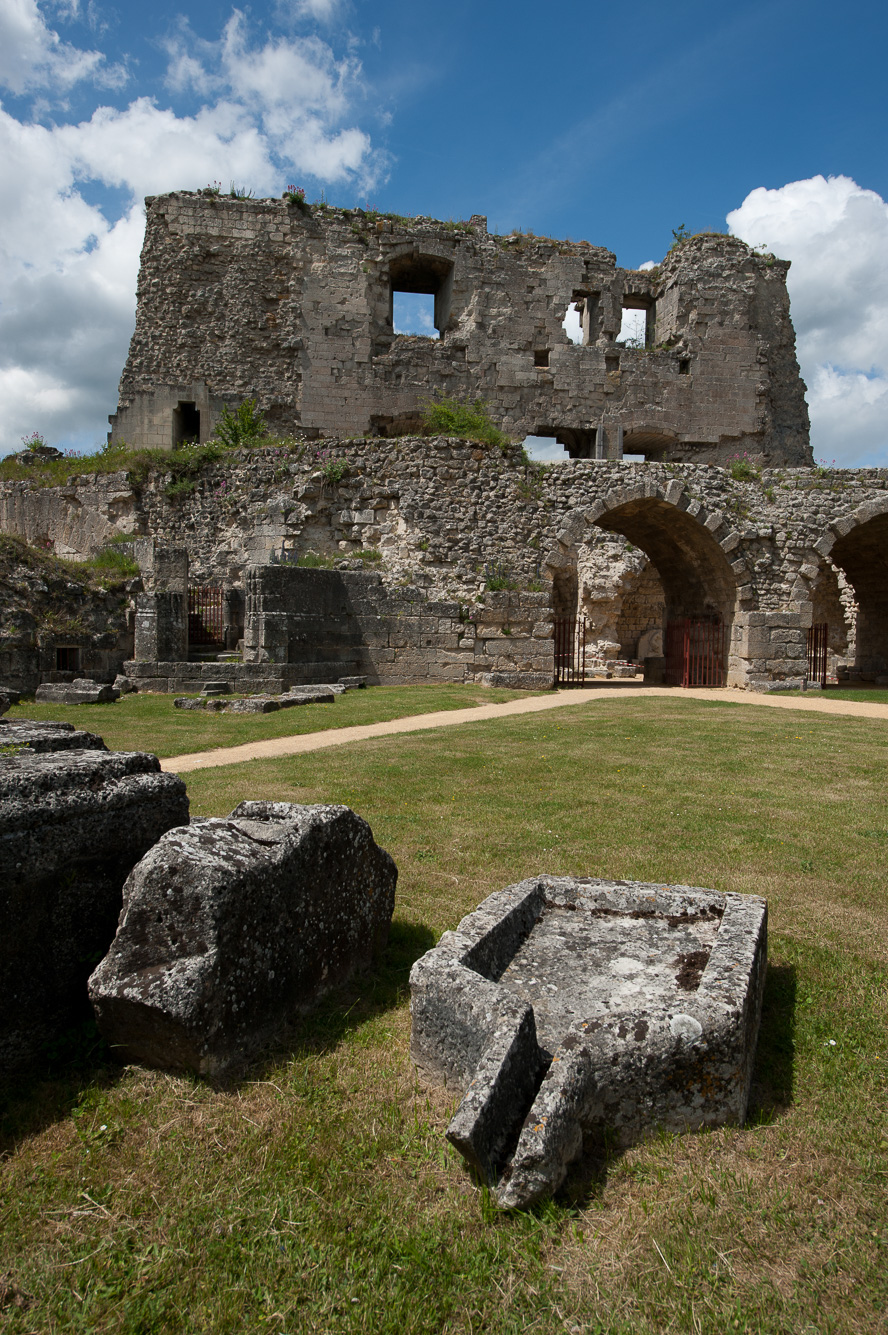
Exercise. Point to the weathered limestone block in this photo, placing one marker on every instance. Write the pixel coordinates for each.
(80, 691)
(40, 737)
(231, 928)
(570, 1008)
(72, 827)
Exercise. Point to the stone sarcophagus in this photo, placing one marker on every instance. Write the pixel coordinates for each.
(569, 1008)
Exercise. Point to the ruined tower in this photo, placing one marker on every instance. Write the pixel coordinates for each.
(293, 306)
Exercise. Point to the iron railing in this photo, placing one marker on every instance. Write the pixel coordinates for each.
(206, 616)
(695, 652)
(818, 640)
(570, 650)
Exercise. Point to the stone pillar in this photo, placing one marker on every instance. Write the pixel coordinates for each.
(161, 627)
(162, 568)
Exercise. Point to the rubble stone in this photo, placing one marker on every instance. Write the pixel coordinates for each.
(232, 928)
(78, 692)
(40, 737)
(72, 826)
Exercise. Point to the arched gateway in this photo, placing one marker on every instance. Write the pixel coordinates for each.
(687, 545)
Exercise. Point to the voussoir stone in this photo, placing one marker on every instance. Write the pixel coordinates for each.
(232, 928)
(73, 824)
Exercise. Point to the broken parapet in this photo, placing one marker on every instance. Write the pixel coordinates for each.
(566, 1008)
(40, 737)
(233, 927)
(73, 824)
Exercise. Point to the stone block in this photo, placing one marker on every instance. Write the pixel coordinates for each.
(72, 826)
(41, 738)
(77, 692)
(245, 922)
(525, 1009)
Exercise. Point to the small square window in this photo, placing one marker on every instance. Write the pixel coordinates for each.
(611, 364)
(684, 366)
(541, 357)
(67, 659)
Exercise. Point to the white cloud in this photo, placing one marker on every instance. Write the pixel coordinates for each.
(836, 235)
(274, 112)
(32, 56)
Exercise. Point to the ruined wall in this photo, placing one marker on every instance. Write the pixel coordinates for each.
(448, 517)
(243, 298)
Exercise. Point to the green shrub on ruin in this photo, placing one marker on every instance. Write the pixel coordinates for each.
(241, 427)
(467, 421)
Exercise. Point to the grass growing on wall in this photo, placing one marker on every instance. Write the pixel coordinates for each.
(320, 1196)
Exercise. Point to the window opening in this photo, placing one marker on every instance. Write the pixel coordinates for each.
(684, 366)
(425, 276)
(545, 449)
(633, 328)
(612, 363)
(414, 313)
(581, 320)
(67, 658)
(186, 424)
(541, 357)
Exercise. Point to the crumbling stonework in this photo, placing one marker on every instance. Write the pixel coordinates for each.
(564, 1009)
(446, 516)
(261, 298)
(231, 929)
(73, 823)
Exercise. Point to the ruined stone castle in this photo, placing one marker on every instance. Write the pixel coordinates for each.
(451, 560)
(241, 298)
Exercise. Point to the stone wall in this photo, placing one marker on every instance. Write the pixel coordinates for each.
(259, 298)
(448, 517)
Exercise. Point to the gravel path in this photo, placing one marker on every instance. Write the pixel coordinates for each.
(449, 718)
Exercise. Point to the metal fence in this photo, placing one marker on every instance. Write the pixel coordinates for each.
(570, 650)
(818, 639)
(695, 652)
(206, 616)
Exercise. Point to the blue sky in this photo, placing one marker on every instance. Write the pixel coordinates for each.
(589, 120)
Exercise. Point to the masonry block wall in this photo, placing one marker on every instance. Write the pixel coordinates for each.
(331, 623)
(441, 517)
(257, 298)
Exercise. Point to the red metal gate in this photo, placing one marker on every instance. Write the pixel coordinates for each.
(695, 652)
(570, 650)
(818, 638)
(206, 616)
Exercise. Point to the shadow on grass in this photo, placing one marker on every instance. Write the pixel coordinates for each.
(79, 1059)
(773, 1075)
(50, 1087)
(771, 1088)
(362, 998)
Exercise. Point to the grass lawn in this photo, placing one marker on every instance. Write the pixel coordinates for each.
(150, 722)
(874, 695)
(320, 1196)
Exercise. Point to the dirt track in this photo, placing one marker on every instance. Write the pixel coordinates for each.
(449, 718)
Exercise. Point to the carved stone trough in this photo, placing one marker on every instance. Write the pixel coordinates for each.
(564, 1008)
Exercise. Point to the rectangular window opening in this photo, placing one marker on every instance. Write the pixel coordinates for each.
(611, 363)
(684, 366)
(414, 313)
(541, 357)
(421, 290)
(637, 325)
(67, 658)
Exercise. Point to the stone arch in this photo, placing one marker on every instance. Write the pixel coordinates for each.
(688, 546)
(858, 545)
